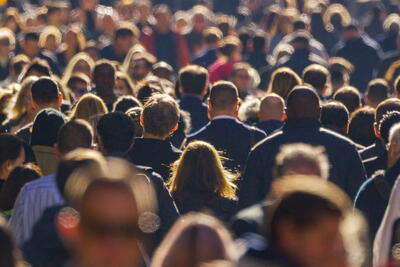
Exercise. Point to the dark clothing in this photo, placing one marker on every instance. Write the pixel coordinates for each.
(388, 59)
(207, 59)
(108, 52)
(346, 170)
(364, 53)
(226, 7)
(258, 60)
(194, 39)
(234, 138)
(154, 153)
(269, 126)
(370, 201)
(197, 109)
(371, 165)
(4, 71)
(372, 151)
(196, 200)
(299, 60)
(389, 43)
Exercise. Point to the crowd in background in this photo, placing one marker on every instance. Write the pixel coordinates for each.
(183, 133)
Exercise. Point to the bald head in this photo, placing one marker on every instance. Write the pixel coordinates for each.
(272, 108)
(303, 102)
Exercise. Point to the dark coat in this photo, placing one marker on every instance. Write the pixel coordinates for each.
(250, 219)
(232, 137)
(374, 164)
(270, 126)
(207, 59)
(388, 59)
(197, 109)
(346, 170)
(372, 151)
(157, 154)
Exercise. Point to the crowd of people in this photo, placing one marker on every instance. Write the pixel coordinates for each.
(199, 133)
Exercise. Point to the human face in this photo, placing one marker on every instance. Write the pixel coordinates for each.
(125, 43)
(5, 48)
(31, 48)
(139, 70)
(241, 79)
(108, 235)
(79, 88)
(11, 164)
(122, 88)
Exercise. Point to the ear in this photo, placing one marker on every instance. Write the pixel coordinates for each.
(173, 129)
(60, 99)
(376, 130)
(283, 116)
(142, 120)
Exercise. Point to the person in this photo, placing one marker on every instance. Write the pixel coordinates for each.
(307, 211)
(124, 103)
(139, 66)
(7, 40)
(302, 125)
(377, 91)
(40, 194)
(224, 130)
(196, 230)
(373, 196)
(350, 97)
(193, 84)
(159, 120)
(282, 82)
(211, 36)
(246, 79)
(200, 182)
(335, 117)
(104, 81)
(387, 60)
(79, 63)
(12, 155)
(88, 107)
(396, 86)
(78, 84)
(271, 115)
(318, 76)
(44, 136)
(361, 126)
(10, 255)
(340, 70)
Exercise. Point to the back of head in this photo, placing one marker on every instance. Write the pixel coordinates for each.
(391, 104)
(116, 132)
(272, 107)
(303, 102)
(45, 91)
(361, 126)
(223, 96)
(349, 96)
(10, 147)
(37, 67)
(74, 134)
(283, 80)
(377, 91)
(46, 126)
(193, 79)
(212, 35)
(229, 45)
(388, 121)
(88, 107)
(335, 115)
(317, 76)
(124, 103)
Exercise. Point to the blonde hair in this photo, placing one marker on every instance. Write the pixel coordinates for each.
(82, 56)
(47, 32)
(194, 230)
(88, 107)
(390, 74)
(283, 80)
(127, 80)
(19, 108)
(336, 9)
(136, 49)
(201, 165)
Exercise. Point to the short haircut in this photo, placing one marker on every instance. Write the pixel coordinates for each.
(223, 95)
(45, 127)
(104, 63)
(316, 75)
(160, 115)
(391, 104)
(334, 114)
(349, 96)
(74, 134)
(387, 122)
(259, 41)
(34, 36)
(39, 65)
(193, 79)
(361, 126)
(45, 91)
(116, 131)
(124, 103)
(377, 91)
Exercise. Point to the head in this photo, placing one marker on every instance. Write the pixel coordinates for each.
(299, 158)
(230, 47)
(88, 107)
(7, 42)
(193, 80)
(387, 122)
(394, 145)
(134, 114)
(396, 86)
(223, 100)
(377, 91)
(388, 105)
(163, 17)
(140, 66)
(116, 133)
(200, 166)
(36, 67)
(12, 154)
(78, 84)
(30, 44)
(46, 94)
(23, 103)
(335, 117)
(340, 70)
(50, 38)
(46, 126)
(104, 76)
(272, 107)
(242, 76)
(318, 76)
(212, 36)
(283, 80)
(125, 37)
(303, 102)
(351, 32)
(160, 116)
(361, 126)
(350, 97)
(124, 103)
(124, 85)
(300, 41)
(79, 63)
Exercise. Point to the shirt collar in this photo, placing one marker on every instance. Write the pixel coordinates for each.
(223, 117)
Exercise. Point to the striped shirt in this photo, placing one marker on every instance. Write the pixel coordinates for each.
(34, 198)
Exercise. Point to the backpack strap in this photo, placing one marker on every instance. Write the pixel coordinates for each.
(382, 185)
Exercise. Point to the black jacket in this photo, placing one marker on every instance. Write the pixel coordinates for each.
(269, 126)
(374, 164)
(197, 110)
(374, 150)
(346, 170)
(232, 137)
(157, 154)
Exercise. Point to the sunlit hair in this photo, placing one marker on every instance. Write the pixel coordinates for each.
(336, 10)
(128, 82)
(136, 49)
(195, 239)
(88, 107)
(392, 72)
(392, 23)
(283, 80)
(201, 166)
(19, 108)
(80, 37)
(47, 32)
(82, 56)
(7, 34)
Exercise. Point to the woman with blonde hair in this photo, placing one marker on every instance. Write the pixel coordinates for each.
(199, 181)
(194, 240)
(81, 62)
(50, 39)
(283, 80)
(88, 107)
(74, 42)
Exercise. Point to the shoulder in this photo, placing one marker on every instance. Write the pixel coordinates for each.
(41, 183)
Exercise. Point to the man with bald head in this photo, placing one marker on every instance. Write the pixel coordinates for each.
(302, 126)
(271, 114)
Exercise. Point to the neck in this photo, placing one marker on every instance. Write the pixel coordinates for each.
(51, 105)
(195, 95)
(152, 136)
(222, 113)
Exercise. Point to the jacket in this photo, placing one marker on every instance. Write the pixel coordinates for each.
(197, 109)
(46, 159)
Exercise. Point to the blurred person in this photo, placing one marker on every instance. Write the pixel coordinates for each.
(248, 110)
(212, 36)
(258, 57)
(159, 120)
(87, 107)
(335, 117)
(225, 129)
(199, 182)
(30, 45)
(163, 70)
(11, 256)
(283, 80)
(36, 67)
(387, 60)
(361, 126)
(340, 70)
(80, 62)
(200, 18)
(302, 125)
(124, 103)
(391, 30)
(202, 231)
(104, 78)
(393, 72)
(271, 114)
(193, 85)
(74, 43)
(377, 91)
(229, 53)
(40, 194)
(245, 78)
(319, 31)
(7, 46)
(319, 77)
(16, 65)
(135, 114)
(350, 97)
(124, 84)
(78, 85)
(140, 66)
(12, 155)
